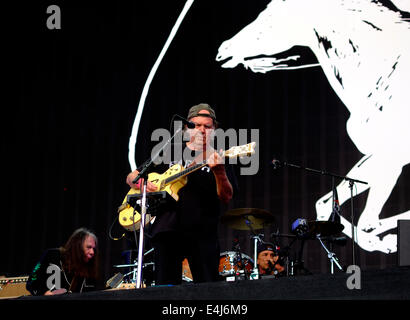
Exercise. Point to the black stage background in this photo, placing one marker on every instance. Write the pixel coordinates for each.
(69, 101)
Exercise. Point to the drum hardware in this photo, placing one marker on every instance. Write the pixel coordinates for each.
(305, 230)
(293, 266)
(235, 265)
(298, 266)
(186, 272)
(135, 266)
(283, 252)
(249, 219)
(324, 228)
(276, 164)
(320, 229)
(242, 218)
(253, 219)
(332, 257)
(256, 239)
(238, 261)
(243, 263)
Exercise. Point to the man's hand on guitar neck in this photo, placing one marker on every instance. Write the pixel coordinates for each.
(215, 161)
(150, 186)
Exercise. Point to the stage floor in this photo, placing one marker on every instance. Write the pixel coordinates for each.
(388, 284)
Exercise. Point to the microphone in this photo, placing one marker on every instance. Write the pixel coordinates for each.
(272, 267)
(276, 164)
(300, 227)
(189, 124)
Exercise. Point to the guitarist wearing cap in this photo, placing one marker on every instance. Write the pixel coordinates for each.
(190, 230)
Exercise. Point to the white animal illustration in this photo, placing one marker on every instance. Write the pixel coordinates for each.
(363, 47)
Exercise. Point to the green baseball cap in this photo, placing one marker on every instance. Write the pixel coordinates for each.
(195, 111)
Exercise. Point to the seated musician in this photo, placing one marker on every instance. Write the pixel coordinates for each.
(268, 260)
(73, 267)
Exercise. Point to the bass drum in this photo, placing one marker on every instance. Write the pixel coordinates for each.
(231, 262)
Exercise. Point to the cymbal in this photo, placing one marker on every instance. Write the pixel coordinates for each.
(247, 218)
(324, 228)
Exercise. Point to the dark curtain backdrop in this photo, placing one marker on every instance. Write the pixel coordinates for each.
(70, 97)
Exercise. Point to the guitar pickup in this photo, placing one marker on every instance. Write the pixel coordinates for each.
(155, 201)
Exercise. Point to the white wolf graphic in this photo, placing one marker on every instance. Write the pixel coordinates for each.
(363, 47)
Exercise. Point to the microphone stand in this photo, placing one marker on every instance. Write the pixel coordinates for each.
(276, 164)
(144, 174)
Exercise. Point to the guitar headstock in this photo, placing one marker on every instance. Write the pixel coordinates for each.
(241, 151)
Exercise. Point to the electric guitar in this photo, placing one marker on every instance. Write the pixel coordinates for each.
(171, 181)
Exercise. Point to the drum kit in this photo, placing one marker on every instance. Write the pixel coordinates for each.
(236, 265)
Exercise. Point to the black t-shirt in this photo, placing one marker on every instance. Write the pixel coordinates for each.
(49, 271)
(198, 207)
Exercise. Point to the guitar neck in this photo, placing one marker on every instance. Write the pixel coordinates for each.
(187, 171)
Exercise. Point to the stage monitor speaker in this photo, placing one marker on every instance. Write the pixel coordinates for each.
(403, 242)
(115, 280)
(13, 287)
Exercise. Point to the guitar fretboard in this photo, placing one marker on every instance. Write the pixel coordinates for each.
(184, 172)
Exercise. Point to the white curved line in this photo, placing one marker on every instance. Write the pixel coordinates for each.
(135, 127)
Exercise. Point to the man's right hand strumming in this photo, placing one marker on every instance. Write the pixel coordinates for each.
(130, 178)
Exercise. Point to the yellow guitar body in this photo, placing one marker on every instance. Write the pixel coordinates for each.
(130, 219)
(171, 181)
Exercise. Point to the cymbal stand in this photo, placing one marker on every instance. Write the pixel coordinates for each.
(255, 272)
(278, 164)
(299, 263)
(135, 266)
(330, 255)
(285, 252)
(134, 274)
(237, 260)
